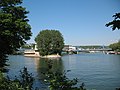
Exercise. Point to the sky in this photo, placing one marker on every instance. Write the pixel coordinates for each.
(81, 22)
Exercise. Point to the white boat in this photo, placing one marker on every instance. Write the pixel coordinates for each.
(111, 52)
(31, 53)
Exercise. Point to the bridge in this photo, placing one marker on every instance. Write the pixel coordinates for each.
(101, 49)
(87, 50)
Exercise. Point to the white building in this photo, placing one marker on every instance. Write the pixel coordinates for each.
(69, 48)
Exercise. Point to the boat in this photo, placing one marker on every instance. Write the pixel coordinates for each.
(113, 52)
(31, 53)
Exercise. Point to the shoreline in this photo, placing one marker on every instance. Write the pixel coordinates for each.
(51, 56)
(33, 53)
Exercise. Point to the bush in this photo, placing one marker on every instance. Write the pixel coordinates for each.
(25, 81)
(59, 81)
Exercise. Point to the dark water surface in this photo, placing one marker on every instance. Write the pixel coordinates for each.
(97, 71)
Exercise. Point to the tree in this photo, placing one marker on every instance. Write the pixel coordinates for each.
(115, 46)
(23, 82)
(115, 23)
(49, 42)
(14, 28)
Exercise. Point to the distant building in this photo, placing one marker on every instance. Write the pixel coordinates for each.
(69, 48)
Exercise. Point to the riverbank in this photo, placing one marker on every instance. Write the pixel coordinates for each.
(34, 53)
(51, 56)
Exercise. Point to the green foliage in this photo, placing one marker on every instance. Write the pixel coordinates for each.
(26, 79)
(115, 46)
(59, 81)
(25, 82)
(14, 27)
(49, 42)
(3, 59)
(115, 23)
(26, 46)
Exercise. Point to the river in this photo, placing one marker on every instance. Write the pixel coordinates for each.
(98, 71)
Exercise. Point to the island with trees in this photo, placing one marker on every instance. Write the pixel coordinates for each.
(50, 43)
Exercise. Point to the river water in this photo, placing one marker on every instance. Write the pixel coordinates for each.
(98, 71)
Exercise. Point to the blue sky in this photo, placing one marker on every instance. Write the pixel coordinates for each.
(81, 22)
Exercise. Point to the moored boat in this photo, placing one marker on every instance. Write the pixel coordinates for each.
(113, 52)
(31, 53)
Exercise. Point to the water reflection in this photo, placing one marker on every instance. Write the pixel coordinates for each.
(42, 66)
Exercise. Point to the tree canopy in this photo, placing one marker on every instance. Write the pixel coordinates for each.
(14, 27)
(115, 46)
(49, 42)
(115, 24)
